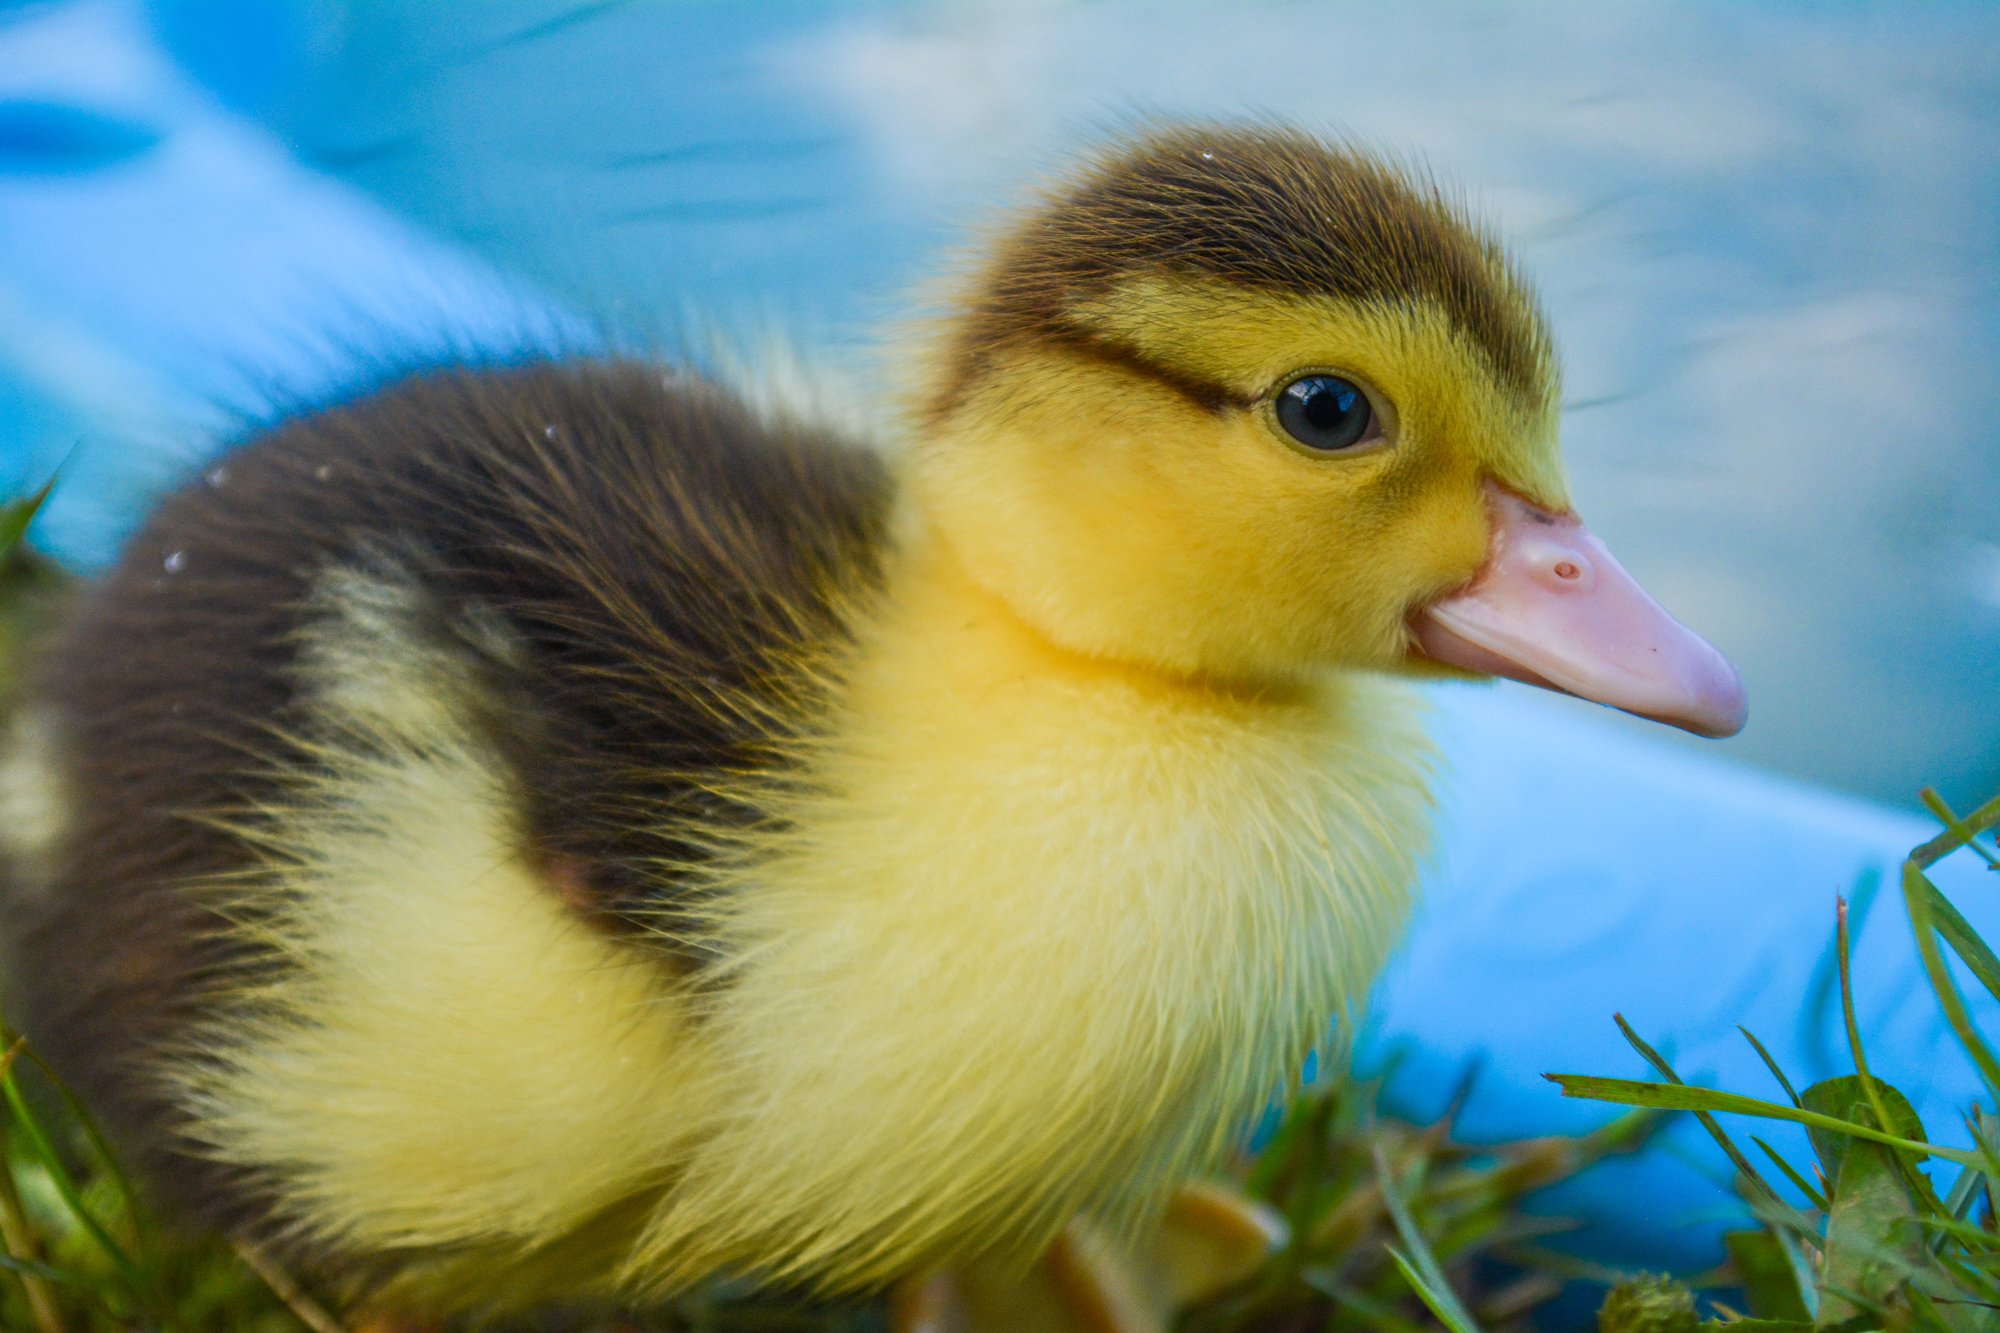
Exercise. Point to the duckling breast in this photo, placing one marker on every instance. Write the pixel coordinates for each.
(1041, 933)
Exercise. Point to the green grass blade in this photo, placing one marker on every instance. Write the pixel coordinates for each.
(1791, 1215)
(1300, 1119)
(17, 1233)
(1972, 1278)
(1963, 1190)
(1858, 1300)
(30, 1268)
(1529, 1255)
(1825, 983)
(1960, 833)
(1964, 940)
(1377, 1315)
(1681, 1097)
(1803, 1278)
(1769, 1063)
(65, 1184)
(16, 515)
(1961, 1230)
(103, 1158)
(1935, 803)
(1868, 1087)
(1917, 894)
(1419, 1267)
(129, 1273)
(1799, 1182)
(1928, 1316)
(1986, 1135)
(1441, 1301)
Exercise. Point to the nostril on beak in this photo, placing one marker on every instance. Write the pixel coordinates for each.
(1560, 567)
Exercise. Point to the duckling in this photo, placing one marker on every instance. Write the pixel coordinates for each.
(547, 831)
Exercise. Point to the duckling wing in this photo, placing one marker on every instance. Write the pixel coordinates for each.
(314, 754)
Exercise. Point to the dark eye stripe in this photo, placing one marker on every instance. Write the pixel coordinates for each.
(1325, 413)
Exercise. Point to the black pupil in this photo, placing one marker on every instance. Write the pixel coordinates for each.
(1324, 412)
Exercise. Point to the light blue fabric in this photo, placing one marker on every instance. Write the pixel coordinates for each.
(167, 268)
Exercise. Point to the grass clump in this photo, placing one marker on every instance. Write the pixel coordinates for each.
(1878, 1244)
(1369, 1201)
(81, 1255)
(1394, 1226)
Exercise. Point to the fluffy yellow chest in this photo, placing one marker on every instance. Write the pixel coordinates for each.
(1041, 934)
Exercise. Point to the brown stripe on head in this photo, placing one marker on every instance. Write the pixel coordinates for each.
(1261, 208)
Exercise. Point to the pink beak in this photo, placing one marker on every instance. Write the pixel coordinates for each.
(1552, 608)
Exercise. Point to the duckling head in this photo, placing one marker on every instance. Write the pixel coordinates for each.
(1236, 403)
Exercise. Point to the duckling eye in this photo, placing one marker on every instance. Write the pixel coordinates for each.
(1325, 413)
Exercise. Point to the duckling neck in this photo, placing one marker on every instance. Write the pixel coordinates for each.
(1054, 922)
(931, 585)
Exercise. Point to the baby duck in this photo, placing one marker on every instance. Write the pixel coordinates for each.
(548, 830)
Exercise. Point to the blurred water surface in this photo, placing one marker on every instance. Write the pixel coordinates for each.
(1765, 234)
